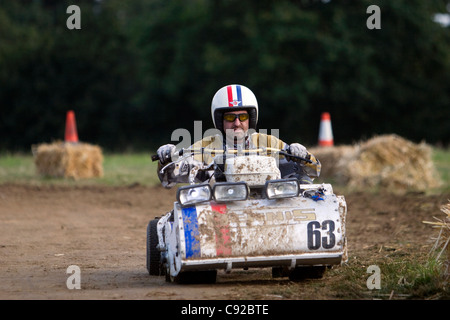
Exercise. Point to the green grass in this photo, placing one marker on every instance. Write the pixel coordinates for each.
(125, 169)
(407, 276)
(119, 169)
(129, 168)
(441, 159)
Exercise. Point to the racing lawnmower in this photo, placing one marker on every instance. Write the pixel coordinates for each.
(246, 216)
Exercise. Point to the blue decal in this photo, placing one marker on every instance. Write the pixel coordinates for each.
(239, 95)
(191, 233)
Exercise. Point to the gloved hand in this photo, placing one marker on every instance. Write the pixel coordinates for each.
(165, 153)
(298, 150)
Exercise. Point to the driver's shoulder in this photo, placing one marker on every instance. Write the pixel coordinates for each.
(213, 142)
(262, 139)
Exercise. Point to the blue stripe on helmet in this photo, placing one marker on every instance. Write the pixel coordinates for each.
(191, 233)
(239, 95)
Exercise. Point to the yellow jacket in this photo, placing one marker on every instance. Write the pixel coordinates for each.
(204, 154)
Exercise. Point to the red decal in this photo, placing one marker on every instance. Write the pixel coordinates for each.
(230, 96)
(223, 239)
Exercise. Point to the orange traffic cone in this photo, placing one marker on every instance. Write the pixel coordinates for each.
(325, 132)
(71, 134)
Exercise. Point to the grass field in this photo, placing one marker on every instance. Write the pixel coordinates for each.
(119, 169)
(125, 169)
(441, 160)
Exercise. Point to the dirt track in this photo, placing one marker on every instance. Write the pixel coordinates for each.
(44, 230)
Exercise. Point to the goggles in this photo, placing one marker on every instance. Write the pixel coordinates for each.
(231, 117)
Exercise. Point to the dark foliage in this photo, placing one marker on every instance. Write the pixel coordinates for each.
(138, 70)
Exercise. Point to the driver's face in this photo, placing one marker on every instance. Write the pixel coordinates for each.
(238, 129)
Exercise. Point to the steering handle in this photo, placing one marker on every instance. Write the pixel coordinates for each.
(286, 153)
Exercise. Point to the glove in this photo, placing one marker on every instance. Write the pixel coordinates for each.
(165, 153)
(298, 150)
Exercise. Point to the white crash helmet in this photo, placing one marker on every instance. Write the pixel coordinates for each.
(233, 98)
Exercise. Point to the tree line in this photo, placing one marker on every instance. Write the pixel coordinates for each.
(136, 71)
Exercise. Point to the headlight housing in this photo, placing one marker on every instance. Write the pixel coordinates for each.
(230, 191)
(189, 195)
(287, 188)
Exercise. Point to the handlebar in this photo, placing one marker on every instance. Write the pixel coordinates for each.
(217, 151)
(155, 157)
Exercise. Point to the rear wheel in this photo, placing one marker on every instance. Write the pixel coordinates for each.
(153, 254)
(307, 272)
(280, 272)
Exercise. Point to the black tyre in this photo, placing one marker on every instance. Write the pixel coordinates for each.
(153, 254)
(280, 272)
(307, 272)
(191, 277)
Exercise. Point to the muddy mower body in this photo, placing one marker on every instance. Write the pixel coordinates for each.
(252, 219)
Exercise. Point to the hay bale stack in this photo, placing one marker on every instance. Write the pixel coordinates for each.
(68, 160)
(334, 160)
(387, 161)
(392, 162)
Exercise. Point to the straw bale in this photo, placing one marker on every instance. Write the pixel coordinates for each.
(386, 161)
(333, 160)
(68, 160)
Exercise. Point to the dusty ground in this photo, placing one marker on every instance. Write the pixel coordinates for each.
(44, 230)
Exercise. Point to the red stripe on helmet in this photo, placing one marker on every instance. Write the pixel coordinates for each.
(230, 96)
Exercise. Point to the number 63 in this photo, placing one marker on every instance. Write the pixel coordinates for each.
(315, 238)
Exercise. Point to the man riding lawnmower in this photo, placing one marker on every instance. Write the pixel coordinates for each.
(250, 202)
(234, 111)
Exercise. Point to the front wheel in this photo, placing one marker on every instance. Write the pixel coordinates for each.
(153, 254)
(194, 277)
